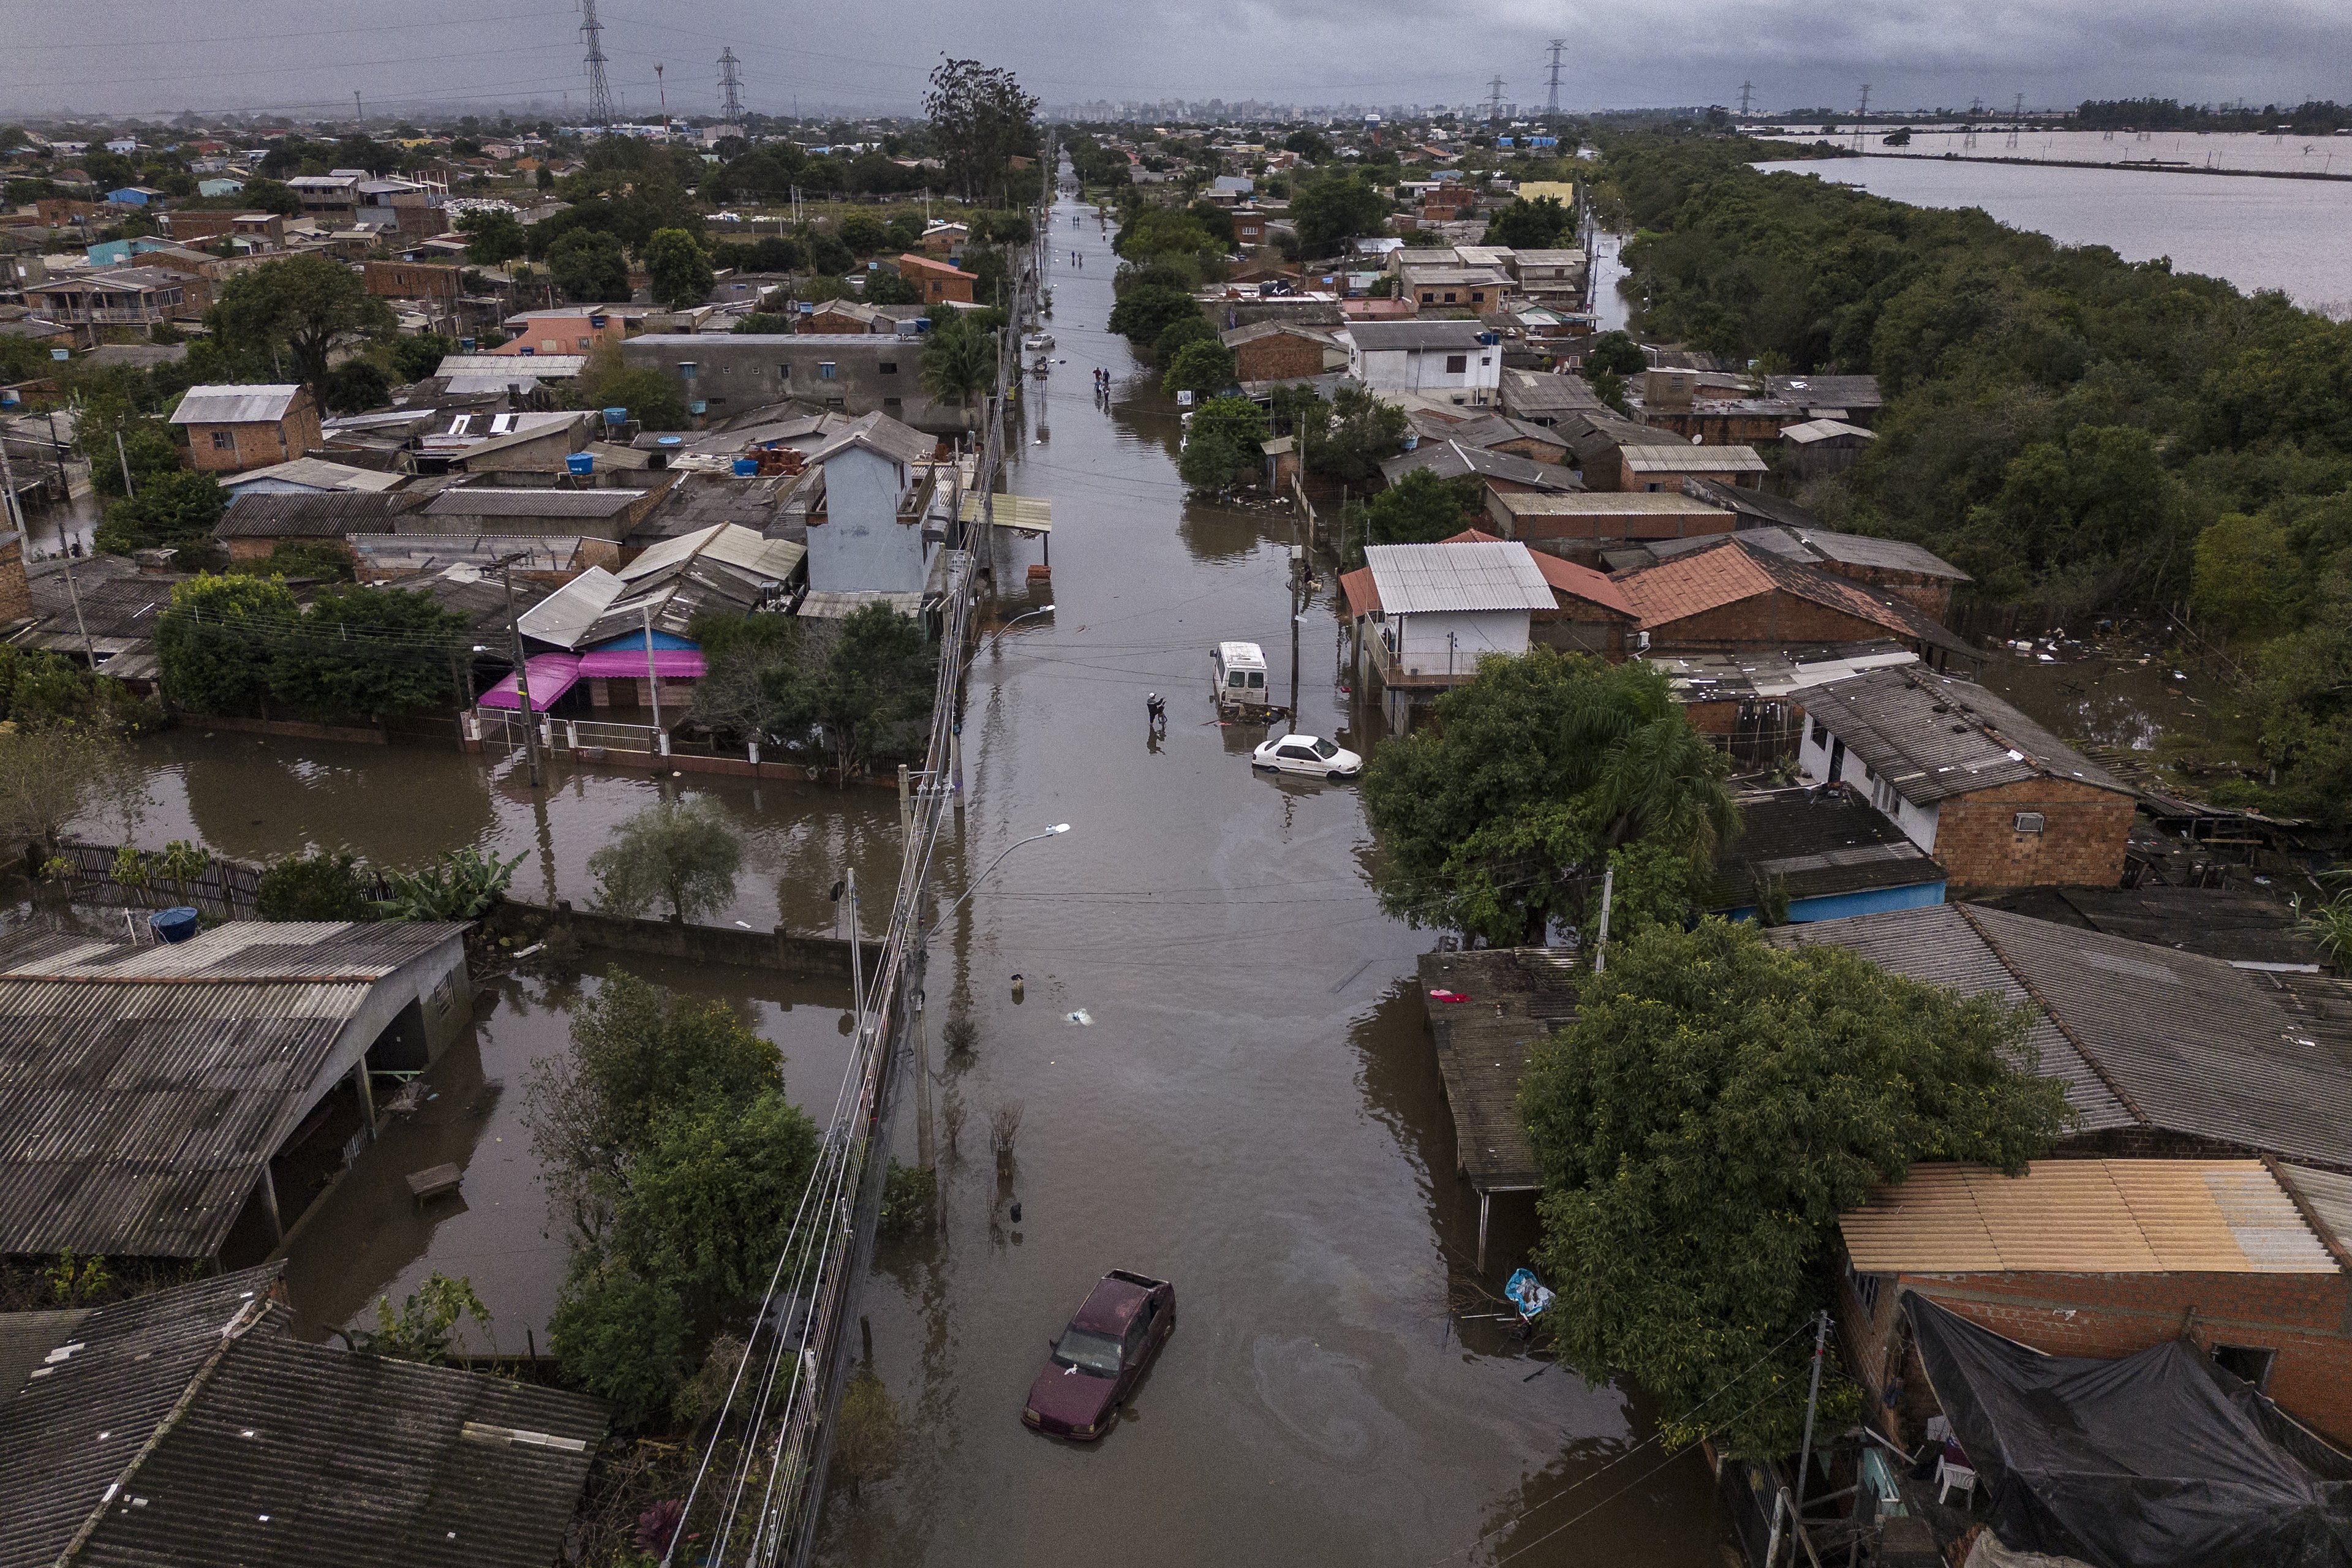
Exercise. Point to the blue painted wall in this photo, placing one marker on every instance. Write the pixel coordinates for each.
(1870, 901)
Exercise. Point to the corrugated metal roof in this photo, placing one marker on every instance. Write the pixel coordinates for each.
(501, 501)
(1814, 844)
(311, 514)
(314, 473)
(1678, 459)
(311, 951)
(879, 432)
(1421, 579)
(1937, 946)
(2086, 1216)
(727, 543)
(1813, 430)
(256, 1450)
(840, 604)
(234, 404)
(1381, 337)
(1451, 459)
(564, 617)
(1933, 737)
(511, 367)
(2328, 1194)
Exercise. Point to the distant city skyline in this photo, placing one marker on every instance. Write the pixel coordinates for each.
(154, 60)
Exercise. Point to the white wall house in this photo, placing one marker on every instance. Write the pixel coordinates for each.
(1461, 361)
(1425, 614)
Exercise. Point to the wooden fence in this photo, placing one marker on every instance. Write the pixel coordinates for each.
(224, 888)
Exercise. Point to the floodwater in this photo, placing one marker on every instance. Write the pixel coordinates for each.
(1224, 1079)
(2257, 234)
(2244, 149)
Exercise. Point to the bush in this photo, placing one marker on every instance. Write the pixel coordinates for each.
(683, 856)
(622, 1338)
(1189, 329)
(461, 885)
(322, 885)
(1204, 366)
(176, 509)
(908, 1192)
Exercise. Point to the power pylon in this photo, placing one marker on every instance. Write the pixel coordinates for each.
(1746, 89)
(2016, 114)
(1861, 119)
(600, 89)
(1552, 104)
(1495, 99)
(731, 87)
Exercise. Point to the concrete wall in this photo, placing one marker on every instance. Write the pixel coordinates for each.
(1280, 356)
(871, 371)
(1431, 644)
(861, 545)
(1918, 823)
(1477, 383)
(2303, 1317)
(777, 950)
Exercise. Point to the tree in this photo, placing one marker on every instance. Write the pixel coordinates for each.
(215, 641)
(52, 775)
(981, 120)
(1312, 145)
(1422, 509)
(873, 689)
(685, 856)
(678, 271)
(588, 265)
(864, 234)
(322, 885)
(108, 415)
(1714, 1108)
(868, 1433)
(892, 288)
(959, 361)
(621, 1337)
(1617, 353)
(1224, 441)
(1502, 816)
(1189, 328)
(1537, 225)
(1335, 209)
(297, 311)
(494, 236)
(2247, 577)
(1146, 310)
(174, 508)
(1361, 434)
(463, 884)
(359, 651)
(710, 1194)
(355, 386)
(414, 358)
(425, 1327)
(606, 381)
(1203, 366)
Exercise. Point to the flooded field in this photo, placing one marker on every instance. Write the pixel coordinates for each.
(2192, 721)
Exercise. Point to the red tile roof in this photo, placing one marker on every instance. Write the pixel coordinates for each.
(1363, 594)
(1564, 576)
(1728, 570)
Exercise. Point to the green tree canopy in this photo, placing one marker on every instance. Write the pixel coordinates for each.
(1146, 310)
(1714, 1108)
(355, 386)
(871, 691)
(958, 360)
(892, 288)
(606, 381)
(981, 120)
(1539, 224)
(1189, 328)
(1422, 509)
(1338, 207)
(1206, 366)
(368, 652)
(1223, 444)
(1616, 353)
(214, 642)
(682, 855)
(172, 507)
(1539, 774)
(679, 272)
(493, 236)
(588, 265)
(296, 312)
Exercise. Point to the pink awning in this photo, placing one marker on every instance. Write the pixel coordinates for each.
(629, 663)
(552, 674)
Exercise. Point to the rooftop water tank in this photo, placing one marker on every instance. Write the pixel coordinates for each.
(616, 417)
(746, 468)
(176, 924)
(582, 463)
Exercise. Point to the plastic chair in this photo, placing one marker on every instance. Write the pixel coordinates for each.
(1950, 1474)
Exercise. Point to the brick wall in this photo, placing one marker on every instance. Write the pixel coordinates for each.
(412, 280)
(196, 226)
(16, 592)
(1933, 595)
(1278, 356)
(2081, 845)
(256, 445)
(2305, 1318)
(1765, 620)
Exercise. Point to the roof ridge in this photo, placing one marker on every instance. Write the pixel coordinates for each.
(1969, 912)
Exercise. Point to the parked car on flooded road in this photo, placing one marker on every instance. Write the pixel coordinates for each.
(1100, 1357)
(1307, 754)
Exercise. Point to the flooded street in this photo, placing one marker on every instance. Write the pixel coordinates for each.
(1250, 1108)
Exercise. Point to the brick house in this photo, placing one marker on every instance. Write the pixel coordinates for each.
(1282, 350)
(941, 283)
(1723, 593)
(235, 427)
(1590, 614)
(2000, 801)
(1663, 467)
(1582, 525)
(2104, 1258)
(415, 280)
(1908, 571)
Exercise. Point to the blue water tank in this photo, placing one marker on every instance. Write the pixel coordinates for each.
(669, 440)
(597, 323)
(465, 345)
(746, 468)
(581, 463)
(177, 924)
(616, 417)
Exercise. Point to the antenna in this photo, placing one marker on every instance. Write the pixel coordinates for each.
(1552, 104)
(600, 90)
(731, 87)
(358, 113)
(1495, 99)
(661, 91)
(1746, 90)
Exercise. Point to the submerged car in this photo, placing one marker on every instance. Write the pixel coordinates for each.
(1101, 1355)
(1307, 754)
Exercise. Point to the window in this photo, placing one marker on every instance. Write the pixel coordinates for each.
(1882, 795)
(1820, 733)
(224, 441)
(890, 367)
(2029, 822)
(1486, 359)
(587, 344)
(1449, 297)
(688, 370)
(892, 404)
(2247, 1363)
(783, 372)
(1865, 1288)
(1457, 364)
(1427, 297)
(826, 369)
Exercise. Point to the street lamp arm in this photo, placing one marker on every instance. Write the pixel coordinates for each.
(1058, 829)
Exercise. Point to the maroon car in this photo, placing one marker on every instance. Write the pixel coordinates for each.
(1101, 1355)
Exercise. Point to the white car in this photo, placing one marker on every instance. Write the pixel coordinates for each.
(1307, 754)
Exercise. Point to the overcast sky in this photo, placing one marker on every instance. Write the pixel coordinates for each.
(157, 57)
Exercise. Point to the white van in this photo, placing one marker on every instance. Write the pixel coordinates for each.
(1240, 672)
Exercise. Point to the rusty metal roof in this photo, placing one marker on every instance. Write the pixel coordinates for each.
(2086, 1216)
(190, 1427)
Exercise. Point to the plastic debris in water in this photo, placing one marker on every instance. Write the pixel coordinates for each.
(1080, 1016)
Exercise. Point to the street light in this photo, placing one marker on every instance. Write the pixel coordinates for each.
(1058, 829)
(1040, 610)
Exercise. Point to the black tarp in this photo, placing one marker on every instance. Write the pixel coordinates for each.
(2157, 1460)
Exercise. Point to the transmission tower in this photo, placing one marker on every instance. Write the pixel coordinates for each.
(1495, 99)
(1976, 111)
(1746, 89)
(1861, 119)
(600, 89)
(731, 87)
(2016, 114)
(1552, 104)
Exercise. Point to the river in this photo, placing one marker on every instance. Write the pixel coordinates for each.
(2286, 235)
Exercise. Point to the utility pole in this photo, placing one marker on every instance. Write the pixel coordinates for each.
(1746, 89)
(358, 111)
(522, 676)
(661, 91)
(15, 511)
(1813, 1400)
(600, 89)
(653, 680)
(2016, 116)
(1551, 103)
(731, 87)
(80, 625)
(124, 459)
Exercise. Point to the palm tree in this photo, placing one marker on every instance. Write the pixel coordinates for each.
(959, 363)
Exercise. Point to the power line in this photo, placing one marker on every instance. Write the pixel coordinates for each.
(600, 90)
